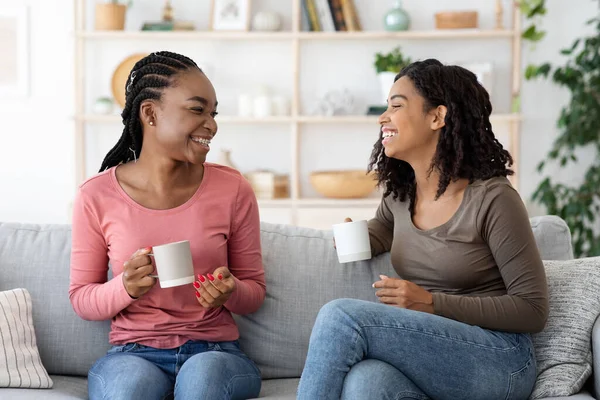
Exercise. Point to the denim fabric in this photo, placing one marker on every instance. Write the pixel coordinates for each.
(365, 350)
(195, 370)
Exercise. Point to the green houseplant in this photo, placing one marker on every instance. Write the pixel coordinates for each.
(387, 66)
(579, 128)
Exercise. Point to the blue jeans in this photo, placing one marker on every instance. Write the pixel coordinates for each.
(195, 370)
(364, 350)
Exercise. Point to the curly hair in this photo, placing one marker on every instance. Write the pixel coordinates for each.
(467, 147)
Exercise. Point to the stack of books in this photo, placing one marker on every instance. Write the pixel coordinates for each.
(329, 16)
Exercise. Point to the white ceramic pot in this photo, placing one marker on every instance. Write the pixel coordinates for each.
(266, 21)
(386, 80)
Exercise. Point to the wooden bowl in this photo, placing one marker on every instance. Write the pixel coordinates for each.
(351, 184)
(456, 20)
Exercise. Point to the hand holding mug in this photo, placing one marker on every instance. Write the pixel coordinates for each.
(404, 294)
(136, 274)
(213, 290)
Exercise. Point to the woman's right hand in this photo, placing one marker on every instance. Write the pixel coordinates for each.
(136, 274)
(345, 220)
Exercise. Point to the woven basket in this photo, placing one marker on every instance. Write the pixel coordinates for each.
(456, 20)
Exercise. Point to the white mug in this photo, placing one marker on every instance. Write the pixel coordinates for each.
(352, 241)
(174, 265)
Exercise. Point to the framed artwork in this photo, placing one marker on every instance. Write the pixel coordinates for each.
(14, 47)
(230, 15)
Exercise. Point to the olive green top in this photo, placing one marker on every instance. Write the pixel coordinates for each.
(482, 266)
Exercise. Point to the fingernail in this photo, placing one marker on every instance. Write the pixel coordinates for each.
(210, 277)
(220, 276)
(148, 248)
(202, 278)
(197, 294)
(196, 285)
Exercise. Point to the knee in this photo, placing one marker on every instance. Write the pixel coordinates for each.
(121, 376)
(337, 312)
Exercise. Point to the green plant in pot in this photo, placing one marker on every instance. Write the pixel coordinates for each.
(387, 66)
(579, 126)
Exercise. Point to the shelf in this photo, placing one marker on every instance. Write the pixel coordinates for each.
(431, 34)
(372, 119)
(114, 119)
(337, 119)
(305, 36)
(319, 202)
(183, 35)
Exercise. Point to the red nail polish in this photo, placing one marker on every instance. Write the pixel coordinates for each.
(202, 278)
(220, 277)
(210, 277)
(197, 294)
(196, 285)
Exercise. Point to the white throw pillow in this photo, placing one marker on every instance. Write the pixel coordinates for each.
(20, 362)
(564, 349)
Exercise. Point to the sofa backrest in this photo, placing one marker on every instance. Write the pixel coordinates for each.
(36, 257)
(302, 274)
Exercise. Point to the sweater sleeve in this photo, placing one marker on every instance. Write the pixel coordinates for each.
(504, 224)
(245, 254)
(381, 229)
(91, 295)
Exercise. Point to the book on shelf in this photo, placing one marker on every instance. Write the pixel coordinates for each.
(329, 16)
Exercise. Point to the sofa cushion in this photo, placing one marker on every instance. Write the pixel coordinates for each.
(302, 274)
(553, 237)
(279, 389)
(23, 366)
(563, 349)
(37, 258)
(65, 388)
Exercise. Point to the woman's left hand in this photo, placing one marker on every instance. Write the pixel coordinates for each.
(404, 294)
(213, 290)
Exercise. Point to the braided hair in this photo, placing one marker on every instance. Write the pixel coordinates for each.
(467, 147)
(147, 79)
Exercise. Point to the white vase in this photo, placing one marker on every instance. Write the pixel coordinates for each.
(386, 80)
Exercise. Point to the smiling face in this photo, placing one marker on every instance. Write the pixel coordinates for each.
(409, 126)
(184, 118)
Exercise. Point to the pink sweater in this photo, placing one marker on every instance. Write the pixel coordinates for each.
(221, 222)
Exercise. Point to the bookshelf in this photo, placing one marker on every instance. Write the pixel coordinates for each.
(300, 208)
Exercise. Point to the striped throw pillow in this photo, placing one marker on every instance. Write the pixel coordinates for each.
(20, 362)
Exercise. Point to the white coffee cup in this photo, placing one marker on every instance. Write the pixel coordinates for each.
(352, 241)
(174, 265)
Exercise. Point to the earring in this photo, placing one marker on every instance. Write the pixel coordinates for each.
(151, 123)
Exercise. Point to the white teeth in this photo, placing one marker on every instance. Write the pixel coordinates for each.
(389, 134)
(203, 141)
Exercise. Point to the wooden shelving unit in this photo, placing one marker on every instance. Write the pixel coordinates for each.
(295, 120)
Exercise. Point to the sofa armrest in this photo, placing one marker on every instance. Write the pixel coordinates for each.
(596, 358)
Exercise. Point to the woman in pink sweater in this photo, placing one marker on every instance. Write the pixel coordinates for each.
(155, 188)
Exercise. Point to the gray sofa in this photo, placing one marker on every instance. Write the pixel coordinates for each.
(302, 274)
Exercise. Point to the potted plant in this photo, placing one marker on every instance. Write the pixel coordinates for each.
(578, 203)
(110, 16)
(387, 66)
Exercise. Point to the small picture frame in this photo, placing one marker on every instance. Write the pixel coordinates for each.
(230, 15)
(14, 47)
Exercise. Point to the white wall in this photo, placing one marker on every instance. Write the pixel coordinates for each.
(36, 135)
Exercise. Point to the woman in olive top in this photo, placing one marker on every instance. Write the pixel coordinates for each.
(456, 324)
